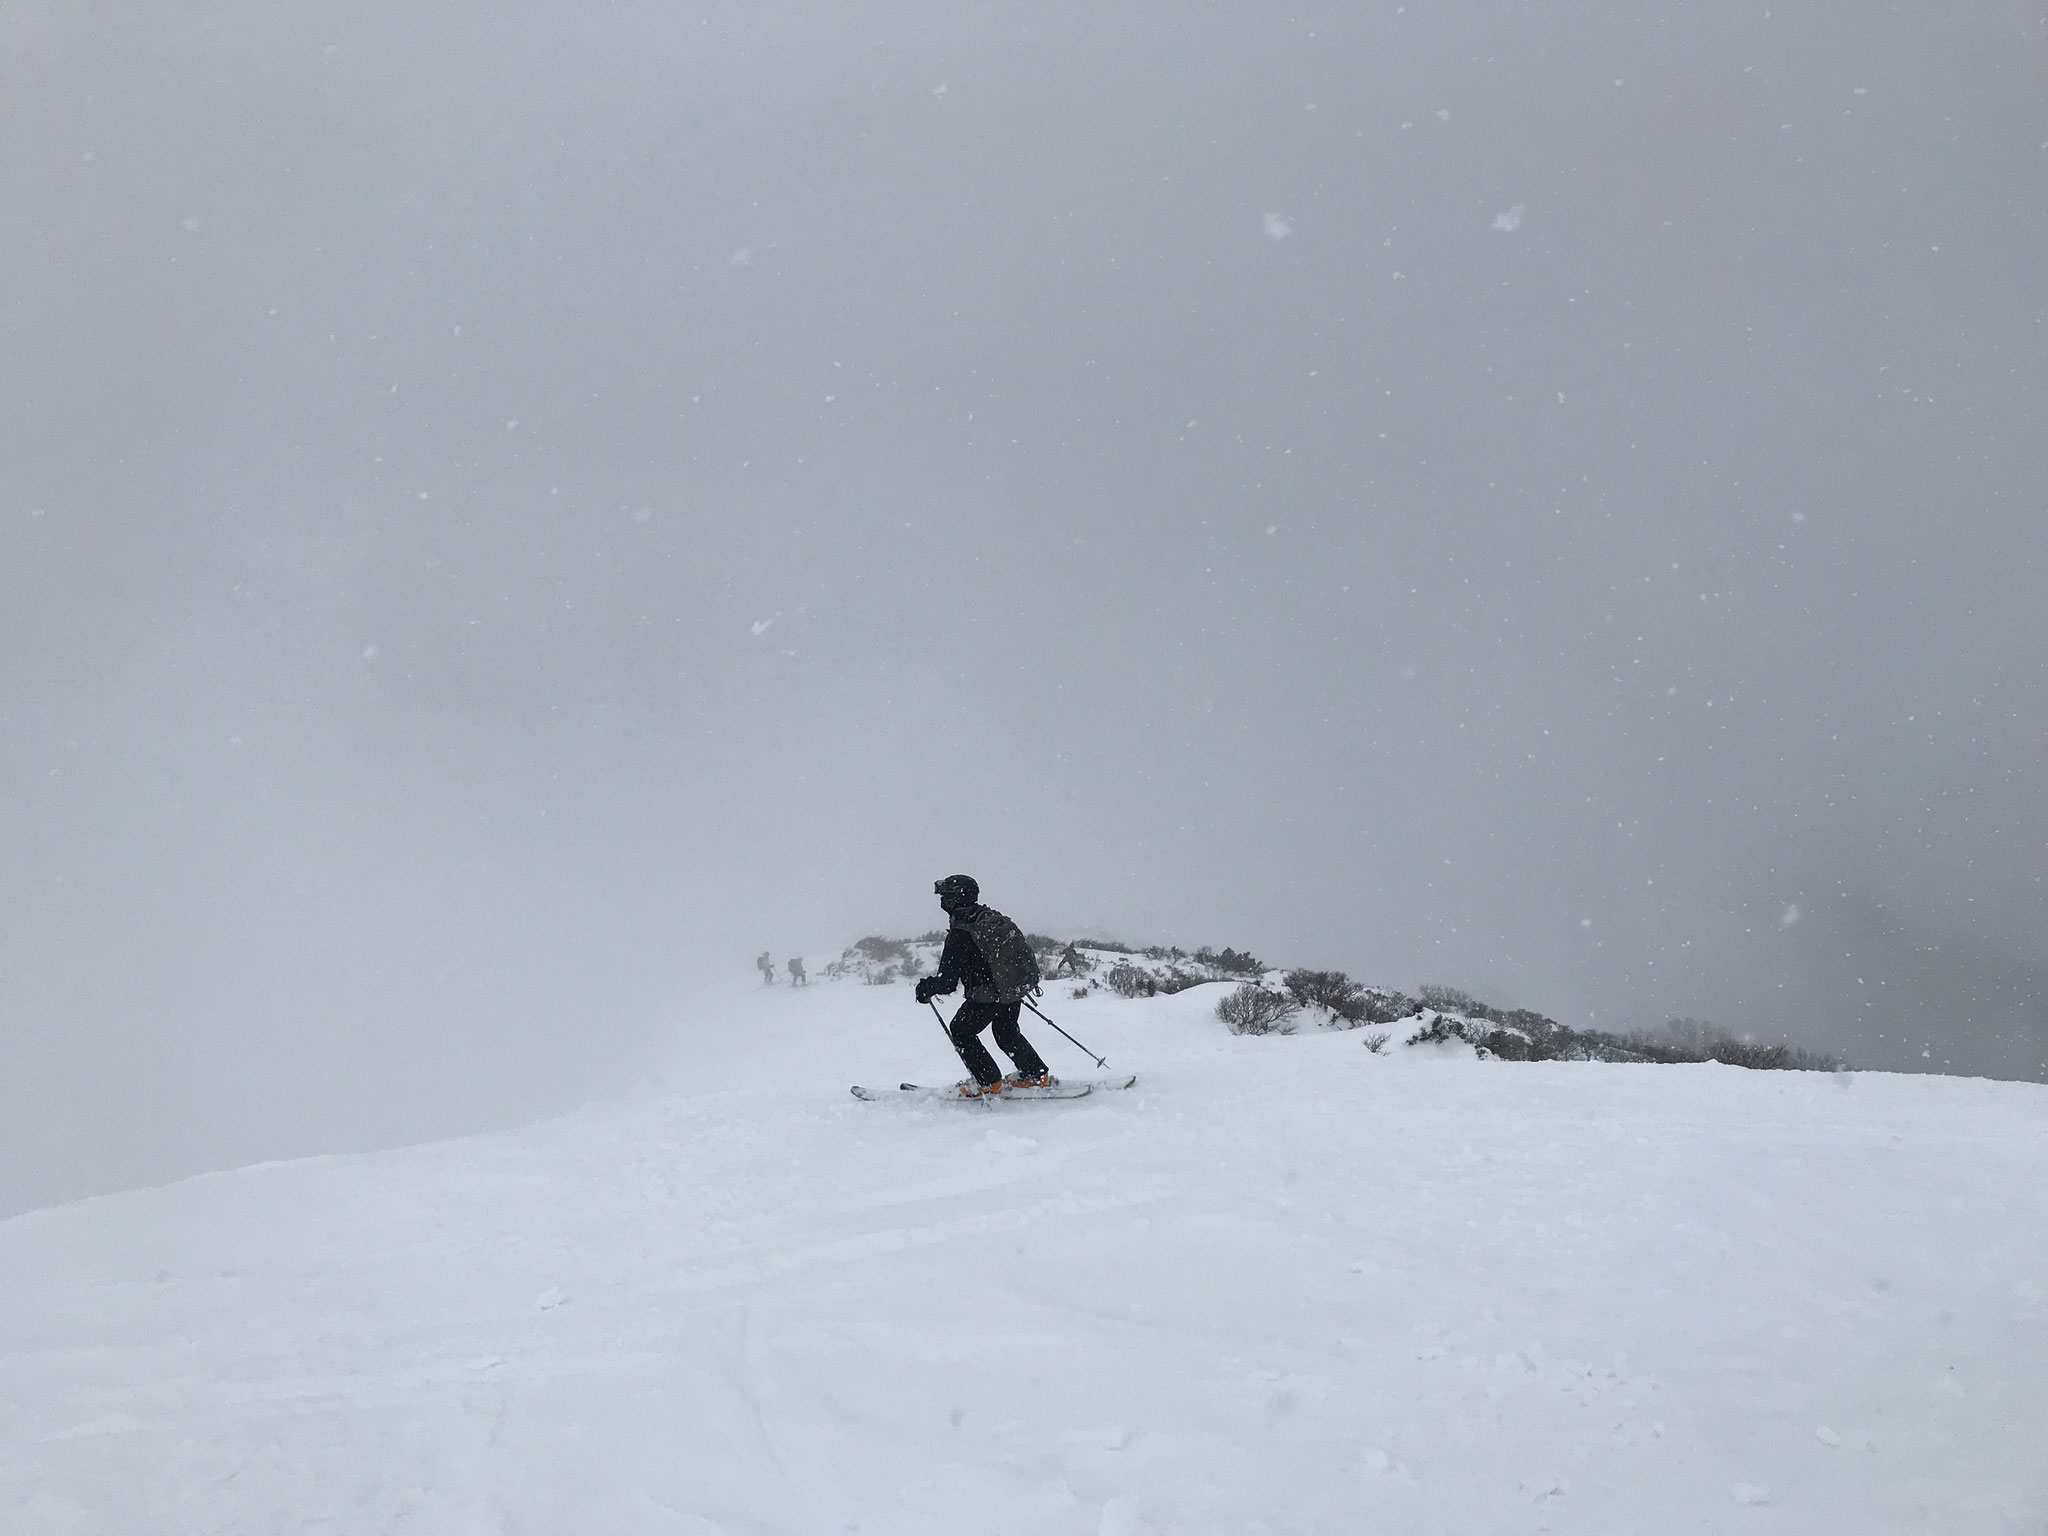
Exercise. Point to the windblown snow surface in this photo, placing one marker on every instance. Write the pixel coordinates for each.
(1283, 1285)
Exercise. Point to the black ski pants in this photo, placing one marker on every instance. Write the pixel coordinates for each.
(967, 1026)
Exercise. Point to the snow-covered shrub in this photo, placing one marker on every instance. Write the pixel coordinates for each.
(875, 962)
(1376, 1041)
(1232, 962)
(1129, 981)
(1445, 1028)
(1507, 1044)
(1252, 1010)
(1449, 999)
(1699, 1040)
(1347, 1001)
(1330, 989)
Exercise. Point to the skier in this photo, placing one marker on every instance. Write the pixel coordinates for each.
(987, 954)
(767, 968)
(797, 978)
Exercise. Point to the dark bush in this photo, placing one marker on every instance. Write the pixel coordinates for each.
(1233, 962)
(1695, 1040)
(1388, 1007)
(1747, 1053)
(1347, 1000)
(1129, 981)
(1252, 1010)
(877, 948)
(1451, 1000)
(1523, 1035)
(1506, 1044)
(1441, 1030)
(1332, 990)
(1132, 981)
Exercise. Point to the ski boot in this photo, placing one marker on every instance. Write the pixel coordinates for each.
(973, 1090)
(1028, 1080)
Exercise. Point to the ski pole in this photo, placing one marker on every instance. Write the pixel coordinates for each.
(1098, 1060)
(946, 1028)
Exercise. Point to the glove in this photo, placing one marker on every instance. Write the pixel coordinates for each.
(927, 988)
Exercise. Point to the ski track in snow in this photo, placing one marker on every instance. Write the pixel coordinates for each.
(1280, 1286)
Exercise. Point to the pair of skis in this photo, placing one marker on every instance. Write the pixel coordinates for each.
(913, 1091)
(1054, 1090)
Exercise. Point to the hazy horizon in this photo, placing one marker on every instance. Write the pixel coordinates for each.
(507, 512)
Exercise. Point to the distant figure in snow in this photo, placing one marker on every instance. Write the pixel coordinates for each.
(767, 969)
(988, 955)
(1071, 963)
(797, 978)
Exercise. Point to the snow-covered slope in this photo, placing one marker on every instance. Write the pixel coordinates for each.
(1283, 1285)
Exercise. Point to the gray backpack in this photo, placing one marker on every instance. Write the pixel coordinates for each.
(1008, 953)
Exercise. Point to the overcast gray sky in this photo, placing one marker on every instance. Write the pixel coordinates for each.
(507, 510)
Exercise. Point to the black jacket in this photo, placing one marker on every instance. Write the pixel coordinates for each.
(961, 962)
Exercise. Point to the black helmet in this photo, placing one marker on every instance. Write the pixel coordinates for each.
(956, 891)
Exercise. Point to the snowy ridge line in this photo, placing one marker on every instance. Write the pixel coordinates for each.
(1271, 1000)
